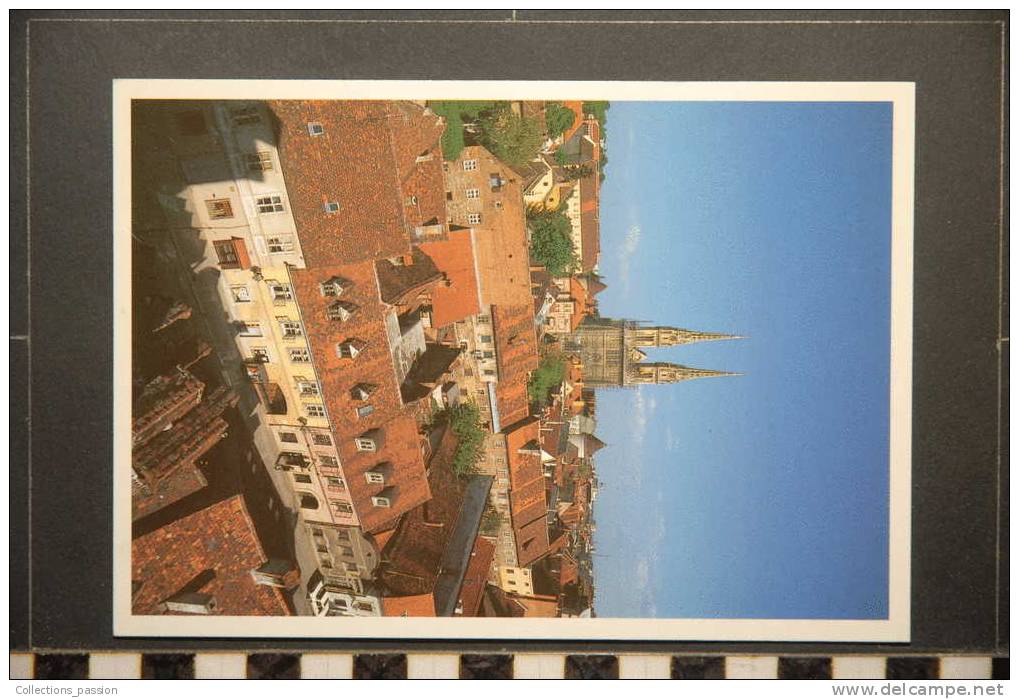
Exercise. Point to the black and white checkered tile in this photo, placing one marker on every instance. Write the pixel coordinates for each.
(57, 666)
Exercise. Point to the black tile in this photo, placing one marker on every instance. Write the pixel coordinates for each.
(168, 666)
(999, 668)
(911, 668)
(380, 666)
(274, 666)
(592, 667)
(689, 667)
(804, 668)
(61, 667)
(486, 667)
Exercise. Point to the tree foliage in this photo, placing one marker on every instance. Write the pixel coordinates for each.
(557, 118)
(455, 112)
(515, 140)
(465, 421)
(551, 243)
(545, 379)
(577, 172)
(598, 109)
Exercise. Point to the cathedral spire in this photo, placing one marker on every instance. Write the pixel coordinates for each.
(666, 372)
(667, 336)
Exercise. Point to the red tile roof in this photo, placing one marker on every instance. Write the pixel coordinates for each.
(222, 539)
(589, 222)
(400, 442)
(577, 107)
(516, 354)
(412, 559)
(409, 605)
(457, 297)
(473, 587)
(528, 505)
(364, 158)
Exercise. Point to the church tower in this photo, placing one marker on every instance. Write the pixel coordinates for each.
(610, 353)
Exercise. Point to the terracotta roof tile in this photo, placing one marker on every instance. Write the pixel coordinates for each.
(366, 152)
(516, 353)
(589, 222)
(220, 538)
(405, 277)
(528, 504)
(473, 588)
(457, 297)
(400, 442)
(409, 605)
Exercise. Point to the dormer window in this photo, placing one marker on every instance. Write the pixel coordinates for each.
(412, 200)
(334, 286)
(315, 128)
(348, 349)
(384, 498)
(365, 443)
(362, 391)
(365, 411)
(331, 207)
(379, 473)
(340, 310)
(474, 219)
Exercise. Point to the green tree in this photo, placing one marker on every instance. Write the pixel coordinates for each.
(545, 379)
(560, 157)
(577, 172)
(551, 243)
(455, 112)
(598, 109)
(465, 421)
(513, 139)
(557, 118)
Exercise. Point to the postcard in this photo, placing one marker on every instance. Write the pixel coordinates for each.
(519, 360)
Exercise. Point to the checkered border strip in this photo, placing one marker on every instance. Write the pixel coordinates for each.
(225, 665)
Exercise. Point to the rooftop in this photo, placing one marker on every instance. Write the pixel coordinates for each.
(456, 297)
(516, 353)
(212, 552)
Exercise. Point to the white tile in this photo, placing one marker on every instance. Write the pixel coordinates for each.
(645, 667)
(221, 666)
(22, 666)
(528, 666)
(327, 666)
(966, 668)
(857, 667)
(421, 666)
(114, 666)
(751, 667)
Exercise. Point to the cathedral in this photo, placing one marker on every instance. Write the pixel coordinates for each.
(610, 351)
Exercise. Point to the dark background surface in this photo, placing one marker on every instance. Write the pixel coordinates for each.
(61, 332)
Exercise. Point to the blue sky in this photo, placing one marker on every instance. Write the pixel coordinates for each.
(763, 495)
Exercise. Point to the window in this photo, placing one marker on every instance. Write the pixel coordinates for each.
(474, 219)
(259, 162)
(374, 477)
(328, 461)
(486, 339)
(473, 193)
(240, 294)
(484, 319)
(251, 329)
(260, 355)
(449, 196)
(314, 410)
(280, 244)
(269, 204)
(335, 482)
(290, 328)
(288, 437)
(488, 354)
(281, 293)
(339, 310)
(321, 440)
(381, 501)
(333, 286)
(315, 128)
(331, 207)
(349, 349)
(231, 253)
(497, 204)
(362, 391)
(308, 501)
(365, 411)
(307, 388)
(219, 209)
(343, 508)
(365, 444)
(470, 165)
(245, 116)
(489, 372)
(302, 478)
(347, 551)
(299, 355)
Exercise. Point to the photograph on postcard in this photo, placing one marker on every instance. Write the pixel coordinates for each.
(514, 359)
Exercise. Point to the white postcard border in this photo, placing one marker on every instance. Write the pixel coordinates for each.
(896, 628)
